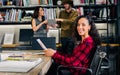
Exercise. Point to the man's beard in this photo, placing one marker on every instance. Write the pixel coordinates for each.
(67, 8)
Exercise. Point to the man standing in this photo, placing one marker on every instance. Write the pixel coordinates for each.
(65, 21)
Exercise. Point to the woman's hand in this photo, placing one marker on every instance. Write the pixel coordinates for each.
(45, 22)
(49, 52)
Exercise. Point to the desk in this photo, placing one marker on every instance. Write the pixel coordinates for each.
(112, 45)
(40, 69)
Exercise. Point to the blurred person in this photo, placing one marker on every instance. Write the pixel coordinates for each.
(1, 18)
(65, 21)
(39, 24)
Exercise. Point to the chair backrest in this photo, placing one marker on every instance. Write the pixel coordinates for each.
(96, 61)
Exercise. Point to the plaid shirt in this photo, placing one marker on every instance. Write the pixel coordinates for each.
(79, 58)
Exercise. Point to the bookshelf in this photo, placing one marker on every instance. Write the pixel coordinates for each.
(118, 38)
(24, 14)
(87, 7)
(118, 20)
(102, 11)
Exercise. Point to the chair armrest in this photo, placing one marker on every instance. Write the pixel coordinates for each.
(61, 67)
(106, 63)
(103, 56)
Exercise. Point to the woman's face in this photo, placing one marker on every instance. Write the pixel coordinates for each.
(83, 27)
(41, 12)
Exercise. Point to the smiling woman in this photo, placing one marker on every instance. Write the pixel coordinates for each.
(85, 32)
(83, 28)
(84, 25)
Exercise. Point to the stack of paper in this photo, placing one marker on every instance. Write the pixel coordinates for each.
(18, 66)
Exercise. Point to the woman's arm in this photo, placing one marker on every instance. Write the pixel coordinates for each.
(36, 27)
(70, 20)
(78, 58)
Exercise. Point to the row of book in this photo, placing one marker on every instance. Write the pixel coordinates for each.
(52, 2)
(52, 13)
(11, 2)
(17, 15)
(25, 2)
(99, 13)
(37, 2)
(81, 2)
(13, 15)
(102, 13)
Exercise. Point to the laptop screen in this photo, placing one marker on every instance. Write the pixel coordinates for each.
(25, 35)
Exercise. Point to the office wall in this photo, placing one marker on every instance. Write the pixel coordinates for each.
(13, 28)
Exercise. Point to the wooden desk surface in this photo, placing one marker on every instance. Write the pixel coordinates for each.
(40, 69)
(112, 45)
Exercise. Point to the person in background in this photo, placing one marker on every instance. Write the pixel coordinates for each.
(39, 24)
(1, 18)
(86, 33)
(65, 21)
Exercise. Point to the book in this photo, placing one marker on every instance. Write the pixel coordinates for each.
(26, 2)
(80, 10)
(34, 2)
(76, 2)
(1, 38)
(8, 38)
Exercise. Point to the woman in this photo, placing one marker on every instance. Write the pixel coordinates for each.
(39, 24)
(85, 32)
(1, 18)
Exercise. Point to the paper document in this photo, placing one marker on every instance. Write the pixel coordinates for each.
(51, 22)
(41, 44)
(18, 66)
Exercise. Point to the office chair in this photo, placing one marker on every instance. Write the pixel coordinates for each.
(94, 68)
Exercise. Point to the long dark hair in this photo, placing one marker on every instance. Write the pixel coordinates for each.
(36, 12)
(93, 31)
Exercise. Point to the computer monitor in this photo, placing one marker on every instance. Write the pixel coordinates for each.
(25, 35)
(49, 42)
(54, 33)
